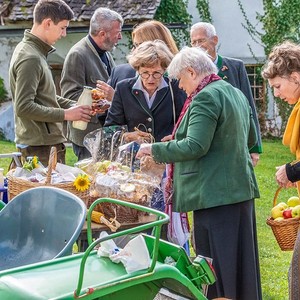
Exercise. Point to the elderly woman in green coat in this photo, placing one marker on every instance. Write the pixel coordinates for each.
(210, 173)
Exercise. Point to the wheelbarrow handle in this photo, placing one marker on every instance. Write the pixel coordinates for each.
(162, 218)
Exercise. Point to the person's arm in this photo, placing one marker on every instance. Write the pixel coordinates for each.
(203, 119)
(27, 100)
(293, 171)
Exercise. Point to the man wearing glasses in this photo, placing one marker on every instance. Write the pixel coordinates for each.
(232, 70)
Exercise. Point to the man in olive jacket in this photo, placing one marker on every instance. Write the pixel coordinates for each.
(87, 62)
(39, 113)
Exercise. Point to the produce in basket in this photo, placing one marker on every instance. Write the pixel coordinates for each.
(58, 175)
(290, 209)
(284, 221)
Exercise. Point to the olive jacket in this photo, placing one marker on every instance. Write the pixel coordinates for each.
(212, 164)
(38, 111)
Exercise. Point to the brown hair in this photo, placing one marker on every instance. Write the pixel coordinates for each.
(282, 61)
(154, 30)
(56, 10)
(149, 54)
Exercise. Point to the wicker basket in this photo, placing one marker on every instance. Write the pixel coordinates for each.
(16, 185)
(285, 231)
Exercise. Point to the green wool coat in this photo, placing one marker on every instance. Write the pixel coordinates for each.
(210, 152)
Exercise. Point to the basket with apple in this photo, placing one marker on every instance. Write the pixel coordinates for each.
(285, 220)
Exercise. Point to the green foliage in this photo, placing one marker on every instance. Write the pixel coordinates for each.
(203, 8)
(279, 22)
(175, 11)
(3, 91)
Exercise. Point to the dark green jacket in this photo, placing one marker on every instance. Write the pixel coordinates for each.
(211, 150)
(39, 113)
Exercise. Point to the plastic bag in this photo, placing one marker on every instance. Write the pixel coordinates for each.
(134, 256)
(178, 227)
(104, 142)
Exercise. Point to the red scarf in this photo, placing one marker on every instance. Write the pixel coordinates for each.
(170, 167)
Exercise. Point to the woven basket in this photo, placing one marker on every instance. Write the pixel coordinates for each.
(121, 213)
(17, 185)
(285, 231)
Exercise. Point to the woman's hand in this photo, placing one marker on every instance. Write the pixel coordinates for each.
(281, 177)
(255, 158)
(137, 136)
(167, 138)
(145, 149)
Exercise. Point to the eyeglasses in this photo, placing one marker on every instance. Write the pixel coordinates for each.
(155, 75)
(198, 42)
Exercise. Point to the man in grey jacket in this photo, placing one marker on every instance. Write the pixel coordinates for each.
(232, 70)
(87, 62)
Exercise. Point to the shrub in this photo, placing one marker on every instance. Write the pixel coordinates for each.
(3, 91)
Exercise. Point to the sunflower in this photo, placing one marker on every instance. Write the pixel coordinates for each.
(35, 162)
(82, 182)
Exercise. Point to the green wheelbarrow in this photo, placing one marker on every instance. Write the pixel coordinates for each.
(88, 276)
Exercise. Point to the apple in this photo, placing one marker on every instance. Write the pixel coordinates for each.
(283, 204)
(279, 219)
(296, 211)
(277, 211)
(293, 201)
(287, 213)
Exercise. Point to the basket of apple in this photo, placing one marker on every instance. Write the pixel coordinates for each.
(285, 220)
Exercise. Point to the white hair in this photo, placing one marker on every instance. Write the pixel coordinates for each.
(209, 29)
(102, 19)
(193, 57)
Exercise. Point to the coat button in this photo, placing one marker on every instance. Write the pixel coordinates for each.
(149, 119)
(149, 130)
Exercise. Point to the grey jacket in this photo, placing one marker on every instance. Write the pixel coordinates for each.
(82, 67)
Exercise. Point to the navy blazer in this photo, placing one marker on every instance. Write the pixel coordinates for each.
(119, 73)
(129, 107)
(233, 71)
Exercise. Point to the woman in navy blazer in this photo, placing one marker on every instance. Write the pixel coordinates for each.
(150, 101)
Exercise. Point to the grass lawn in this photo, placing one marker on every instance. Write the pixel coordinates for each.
(274, 263)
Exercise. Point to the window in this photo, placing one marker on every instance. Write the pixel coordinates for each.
(258, 87)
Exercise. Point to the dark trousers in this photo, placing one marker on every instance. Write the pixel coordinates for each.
(81, 152)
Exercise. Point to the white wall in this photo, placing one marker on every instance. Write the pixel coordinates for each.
(228, 19)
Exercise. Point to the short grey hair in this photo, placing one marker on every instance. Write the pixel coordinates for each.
(102, 19)
(193, 57)
(149, 54)
(209, 29)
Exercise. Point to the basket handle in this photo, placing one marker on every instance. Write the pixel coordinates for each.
(51, 164)
(276, 196)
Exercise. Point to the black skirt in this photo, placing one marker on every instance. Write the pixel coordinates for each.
(227, 234)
